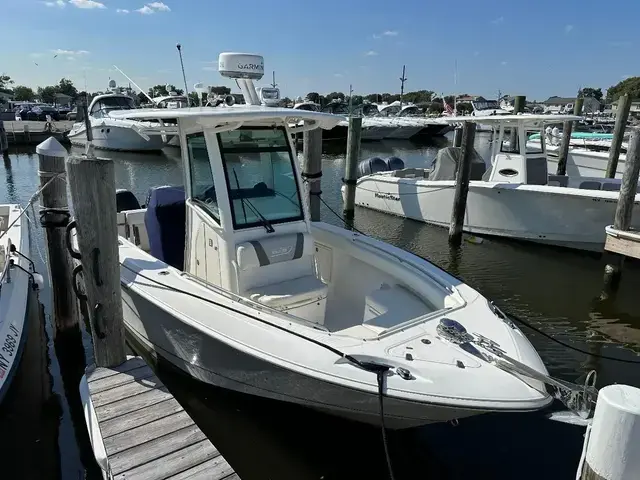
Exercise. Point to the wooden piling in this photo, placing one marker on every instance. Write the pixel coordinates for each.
(622, 115)
(462, 184)
(4, 143)
(312, 169)
(626, 200)
(351, 166)
(567, 128)
(92, 186)
(54, 217)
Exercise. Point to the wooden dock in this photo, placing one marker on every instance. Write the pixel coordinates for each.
(140, 432)
(32, 132)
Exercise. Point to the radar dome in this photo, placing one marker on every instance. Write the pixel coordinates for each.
(112, 84)
(241, 65)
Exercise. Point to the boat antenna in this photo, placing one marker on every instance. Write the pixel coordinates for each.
(184, 77)
(350, 100)
(273, 83)
(403, 79)
(134, 84)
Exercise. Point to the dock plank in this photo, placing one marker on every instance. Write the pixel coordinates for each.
(136, 418)
(173, 463)
(107, 383)
(146, 434)
(127, 390)
(216, 467)
(127, 405)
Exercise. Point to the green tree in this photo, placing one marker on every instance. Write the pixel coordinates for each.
(590, 92)
(373, 97)
(334, 96)
(630, 86)
(194, 99)
(47, 94)
(357, 100)
(285, 102)
(313, 97)
(23, 94)
(163, 90)
(220, 90)
(5, 83)
(66, 87)
(435, 107)
(464, 107)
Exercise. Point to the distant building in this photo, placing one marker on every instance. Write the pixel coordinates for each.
(634, 111)
(565, 104)
(62, 99)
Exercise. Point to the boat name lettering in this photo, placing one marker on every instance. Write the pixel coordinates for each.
(250, 66)
(387, 196)
(4, 364)
(281, 251)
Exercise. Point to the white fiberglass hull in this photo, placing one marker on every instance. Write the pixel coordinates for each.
(119, 135)
(558, 216)
(582, 162)
(14, 295)
(230, 348)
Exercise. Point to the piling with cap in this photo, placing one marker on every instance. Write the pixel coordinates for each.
(463, 176)
(54, 217)
(567, 128)
(457, 136)
(92, 186)
(613, 439)
(519, 102)
(622, 115)
(312, 169)
(351, 165)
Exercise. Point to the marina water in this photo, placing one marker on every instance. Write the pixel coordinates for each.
(555, 290)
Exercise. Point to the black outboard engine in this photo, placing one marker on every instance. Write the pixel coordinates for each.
(126, 200)
(372, 165)
(394, 163)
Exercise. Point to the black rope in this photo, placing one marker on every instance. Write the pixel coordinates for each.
(47, 216)
(311, 176)
(348, 181)
(509, 314)
(380, 375)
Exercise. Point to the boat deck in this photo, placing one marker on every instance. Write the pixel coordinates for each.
(146, 434)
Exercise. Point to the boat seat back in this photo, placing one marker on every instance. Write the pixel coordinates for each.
(279, 271)
(590, 185)
(560, 180)
(611, 187)
(133, 227)
(126, 200)
(164, 220)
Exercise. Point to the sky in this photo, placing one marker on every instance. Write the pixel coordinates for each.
(537, 49)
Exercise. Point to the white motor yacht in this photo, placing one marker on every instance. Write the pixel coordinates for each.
(228, 279)
(111, 133)
(515, 197)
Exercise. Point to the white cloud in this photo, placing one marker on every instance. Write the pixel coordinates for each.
(60, 51)
(504, 62)
(122, 10)
(568, 28)
(57, 3)
(624, 77)
(153, 7)
(145, 10)
(87, 4)
(376, 36)
(161, 7)
(390, 33)
(371, 53)
(338, 75)
(497, 21)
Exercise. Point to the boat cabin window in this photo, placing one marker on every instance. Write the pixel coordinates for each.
(506, 146)
(103, 106)
(260, 176)
(203, 191)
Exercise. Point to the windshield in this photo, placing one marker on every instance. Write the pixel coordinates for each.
(486, 105)
(390, 111)
(337, 108)
(107, 104)
(260, 176)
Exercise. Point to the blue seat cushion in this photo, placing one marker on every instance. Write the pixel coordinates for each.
(165, 221)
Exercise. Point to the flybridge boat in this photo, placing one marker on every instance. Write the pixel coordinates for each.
(111, 133)
(515, 197)
(228, 279)
(17, 276)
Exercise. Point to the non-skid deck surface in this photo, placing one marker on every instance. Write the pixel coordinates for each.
(146, 433)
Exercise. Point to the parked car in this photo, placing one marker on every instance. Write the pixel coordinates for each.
(63, 110)
(40, 112)
(72, 114)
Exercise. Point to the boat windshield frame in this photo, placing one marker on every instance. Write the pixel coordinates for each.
(248, 197)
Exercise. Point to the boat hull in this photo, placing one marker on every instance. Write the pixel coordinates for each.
(211, 361)
(117, 138)
(584, 163)
(548, 215)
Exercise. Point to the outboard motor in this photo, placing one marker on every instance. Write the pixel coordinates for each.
(126, 200)
(372, 165)
(394, 163)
